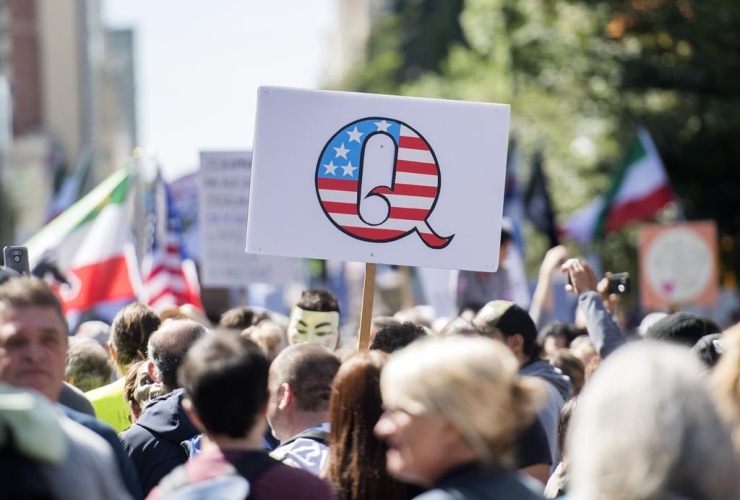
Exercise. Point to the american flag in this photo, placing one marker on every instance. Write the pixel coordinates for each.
(411, 196)
(169, 277)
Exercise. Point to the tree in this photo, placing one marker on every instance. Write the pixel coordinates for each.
(581, 75)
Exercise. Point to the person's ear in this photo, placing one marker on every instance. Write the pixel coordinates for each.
(285, 396)
(187, 405)
(153, 372)
(113, 353)
(449, 437)
(135, 411)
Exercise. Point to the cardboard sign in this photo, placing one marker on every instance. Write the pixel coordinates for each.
(224, 198)
(379, 179)
(678, 265)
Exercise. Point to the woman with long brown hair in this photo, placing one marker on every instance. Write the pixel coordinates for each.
(356, 466)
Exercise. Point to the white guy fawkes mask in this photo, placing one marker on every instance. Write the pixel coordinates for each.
(314, 327)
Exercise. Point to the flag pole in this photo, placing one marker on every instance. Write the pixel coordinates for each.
(366, 313)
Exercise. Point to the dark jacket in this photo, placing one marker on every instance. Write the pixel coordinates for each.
(473, 482)
(153, 443)
(128, 473)
(560, 389)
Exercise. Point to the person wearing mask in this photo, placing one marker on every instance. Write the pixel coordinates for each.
(454, 410)
(315, 320)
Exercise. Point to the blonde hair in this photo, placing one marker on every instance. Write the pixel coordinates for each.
(268, 336)
(646, 427)
(725, 382)
(471, 382)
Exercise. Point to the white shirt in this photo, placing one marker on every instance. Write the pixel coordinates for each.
(304, 453)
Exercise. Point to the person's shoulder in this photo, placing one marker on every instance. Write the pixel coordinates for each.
(86, 439)
(93, 423)
(280, 470)
(439, 494)
(300, 447)
(303, 453)
(284, 482)
(114, 389)
(74, 398)
(135, 436)
(504, 485)
(97, 426)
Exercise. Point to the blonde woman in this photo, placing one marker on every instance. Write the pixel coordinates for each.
(646, 429)
(454, 409)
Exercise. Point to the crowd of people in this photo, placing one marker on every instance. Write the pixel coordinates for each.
(497, 403)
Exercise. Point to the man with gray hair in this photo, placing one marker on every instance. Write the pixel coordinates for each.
(153, 443)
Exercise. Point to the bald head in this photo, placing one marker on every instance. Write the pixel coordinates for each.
(168, 346)
(309, 370)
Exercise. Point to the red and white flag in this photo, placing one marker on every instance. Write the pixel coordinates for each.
(170, 278)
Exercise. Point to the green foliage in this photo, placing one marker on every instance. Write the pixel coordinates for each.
(580, 76)
(412, 38)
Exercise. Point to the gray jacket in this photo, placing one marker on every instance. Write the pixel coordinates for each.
(603, 330)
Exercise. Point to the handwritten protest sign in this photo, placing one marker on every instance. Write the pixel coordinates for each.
(678, 265)
(224, 198)
(379, 179)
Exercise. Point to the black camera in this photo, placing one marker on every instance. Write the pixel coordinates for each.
(619, 283)
(16, 259)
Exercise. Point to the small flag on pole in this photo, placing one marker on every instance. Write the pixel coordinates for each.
(639, 190)
(170, 278)
(538, 204)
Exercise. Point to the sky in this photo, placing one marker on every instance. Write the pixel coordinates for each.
(199, 64)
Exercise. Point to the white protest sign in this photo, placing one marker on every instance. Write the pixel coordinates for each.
(382, 179)
(224, 198)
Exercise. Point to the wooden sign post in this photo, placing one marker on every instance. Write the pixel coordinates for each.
(366, 313)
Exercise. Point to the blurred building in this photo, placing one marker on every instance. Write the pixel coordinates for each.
(119, 97)
(72, 87)
(355, 20)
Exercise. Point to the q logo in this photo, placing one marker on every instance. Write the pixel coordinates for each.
(410, 198)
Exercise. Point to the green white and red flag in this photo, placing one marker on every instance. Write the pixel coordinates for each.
(639, 190)
(90, 245)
